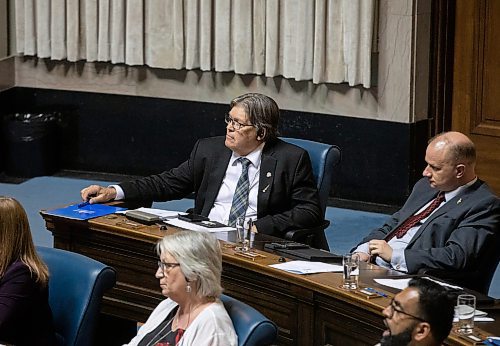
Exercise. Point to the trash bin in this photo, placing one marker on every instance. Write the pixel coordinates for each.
(31, 144)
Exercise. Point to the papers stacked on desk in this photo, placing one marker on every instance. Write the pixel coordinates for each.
(306, 267)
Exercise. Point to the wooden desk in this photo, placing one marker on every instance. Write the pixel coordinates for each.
(309, 309)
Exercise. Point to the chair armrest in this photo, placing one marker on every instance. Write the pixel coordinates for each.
(447, 275)
(314, 237)
(463, 278)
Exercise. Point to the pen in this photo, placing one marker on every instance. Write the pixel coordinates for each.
(382, 294)
(81, 205)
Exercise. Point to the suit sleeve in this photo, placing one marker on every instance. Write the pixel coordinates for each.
(173, 184)
(381, 233)
(303, 211)
(469, 237)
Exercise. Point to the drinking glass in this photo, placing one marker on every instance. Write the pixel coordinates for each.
(350, 263)
(242, 231)
(465, 310)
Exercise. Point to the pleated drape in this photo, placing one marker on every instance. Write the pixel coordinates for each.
(326, 41)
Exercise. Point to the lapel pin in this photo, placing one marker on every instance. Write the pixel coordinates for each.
(459, 201)
(268, 174)
(265, 189)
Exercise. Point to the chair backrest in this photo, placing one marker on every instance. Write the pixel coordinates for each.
(76, 286)
(323, 158)
(252, 328)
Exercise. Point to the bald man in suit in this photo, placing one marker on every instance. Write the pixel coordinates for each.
(458, 234)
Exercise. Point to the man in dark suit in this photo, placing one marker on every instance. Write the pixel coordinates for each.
(281, 193)
(449, 221)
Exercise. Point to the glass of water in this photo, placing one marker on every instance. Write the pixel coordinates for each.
(465, 310)
(350, 263)
(243, 234)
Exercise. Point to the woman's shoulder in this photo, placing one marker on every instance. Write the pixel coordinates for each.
(212, 327)
(217, 314)
(17, 270)
(18, 281)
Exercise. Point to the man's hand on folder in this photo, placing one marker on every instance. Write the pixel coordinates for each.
(98, 194)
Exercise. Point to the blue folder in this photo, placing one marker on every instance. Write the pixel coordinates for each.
(86, 212)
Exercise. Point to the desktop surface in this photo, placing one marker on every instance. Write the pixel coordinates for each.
(309, 309)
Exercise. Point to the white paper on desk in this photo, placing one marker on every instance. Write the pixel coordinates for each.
(478, 319)
(197, 227)
(479, 316)
(401, 284)
(305, 267)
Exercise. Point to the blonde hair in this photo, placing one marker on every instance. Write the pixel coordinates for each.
(16, 242)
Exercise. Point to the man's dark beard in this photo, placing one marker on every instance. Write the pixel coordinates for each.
(401, 339)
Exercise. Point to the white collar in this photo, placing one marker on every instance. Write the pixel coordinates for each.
(451, 194)
(254, 156)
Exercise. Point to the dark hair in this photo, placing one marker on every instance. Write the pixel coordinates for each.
(436, 306)
(262, 112)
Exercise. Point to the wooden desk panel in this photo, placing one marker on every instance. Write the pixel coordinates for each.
(309, 309)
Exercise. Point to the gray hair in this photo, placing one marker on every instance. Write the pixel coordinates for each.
(200, 258)
(262, 112)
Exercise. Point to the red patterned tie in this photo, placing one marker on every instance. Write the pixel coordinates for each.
(415, 219)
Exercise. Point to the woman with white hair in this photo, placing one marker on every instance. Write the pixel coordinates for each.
(189, 271)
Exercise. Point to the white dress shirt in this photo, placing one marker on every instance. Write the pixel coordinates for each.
(224, 200)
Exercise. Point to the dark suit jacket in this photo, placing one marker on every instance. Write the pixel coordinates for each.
(25, 316)
(287, 197)
(456, 236)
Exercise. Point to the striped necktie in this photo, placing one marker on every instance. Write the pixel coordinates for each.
(240, 198)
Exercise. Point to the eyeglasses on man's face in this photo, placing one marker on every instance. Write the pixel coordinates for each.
(393, 307)
(234, 123)
(167, 266)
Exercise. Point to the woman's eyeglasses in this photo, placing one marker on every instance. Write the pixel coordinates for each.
(166, 266)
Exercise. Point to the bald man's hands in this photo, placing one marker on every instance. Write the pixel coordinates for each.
(363, 257)
(98, 194)
(380, 248)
